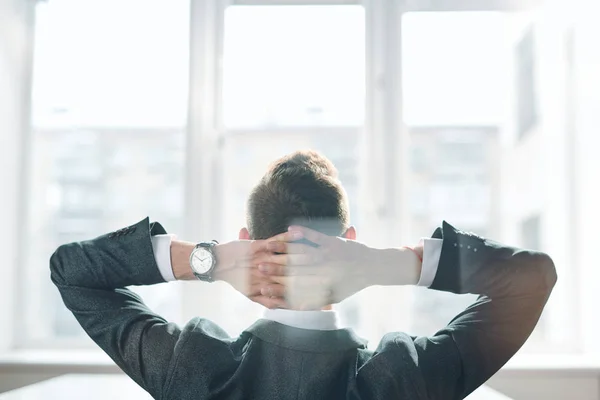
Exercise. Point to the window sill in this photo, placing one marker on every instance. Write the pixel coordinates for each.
(96, 362)
(563, 365)
(59, 362)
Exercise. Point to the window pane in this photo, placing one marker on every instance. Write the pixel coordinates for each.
(467, 100)
(456, 185)
(280, 75)
(452, 91)
(111, 63)
(286, 66)
(247, 157)
(108, 138)
(525, 93)
(450, 75)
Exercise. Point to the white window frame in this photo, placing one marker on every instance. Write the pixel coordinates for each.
(206, 130)
(14, 339)
(387, 144)
(20, 62)
(292, 2)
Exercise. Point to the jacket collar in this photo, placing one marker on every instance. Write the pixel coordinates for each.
(316, 320)
(310, 340)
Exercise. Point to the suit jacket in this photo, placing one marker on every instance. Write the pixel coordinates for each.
(274, 361)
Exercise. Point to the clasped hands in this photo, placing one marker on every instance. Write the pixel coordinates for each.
(281, 273)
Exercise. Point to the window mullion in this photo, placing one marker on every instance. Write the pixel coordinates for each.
(16, 66)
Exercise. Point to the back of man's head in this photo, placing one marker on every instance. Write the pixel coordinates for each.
(301, 188)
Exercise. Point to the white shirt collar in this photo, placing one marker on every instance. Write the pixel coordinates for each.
(316, 320)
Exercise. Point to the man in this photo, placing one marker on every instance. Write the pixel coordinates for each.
(303, 354)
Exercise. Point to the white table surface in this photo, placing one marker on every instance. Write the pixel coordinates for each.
(117, 386)
(78, 387)
(486, 393)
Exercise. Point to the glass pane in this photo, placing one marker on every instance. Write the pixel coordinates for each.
(111, 63)
(456, 185)
(497, 147)
(450, 75)
(108, 139)
(525, 92)
(246, 159)
(287, 66)
(453, 85)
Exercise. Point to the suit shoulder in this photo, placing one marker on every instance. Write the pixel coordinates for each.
(397, 339)
(205, 327)
(397, 346)
(393, 370)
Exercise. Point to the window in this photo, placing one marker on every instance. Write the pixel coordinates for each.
(418, 159)
(103, 100)
(530, 233)
(109, 140)
(284, 89)
(531, 239)
(526, 94)
(461, 153)
(284, 66)
(288, 91)
(449, 75)
(419, 201)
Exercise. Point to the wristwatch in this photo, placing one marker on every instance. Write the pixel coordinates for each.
(203, 260)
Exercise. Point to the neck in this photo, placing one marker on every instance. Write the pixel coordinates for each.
(327, 308)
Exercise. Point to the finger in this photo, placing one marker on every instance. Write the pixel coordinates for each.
(288, 236)
(309, 234)
(270, 302)
(261, 245)
(268, 268)
(283, 259)
(297, 260)
(291, 248)
(304, 276)
(273, 290)
(254, 289)
(262, 257)
(272, 270)
(269, 258)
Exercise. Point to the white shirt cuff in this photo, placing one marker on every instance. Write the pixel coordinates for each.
(432, 249)
(161, 246)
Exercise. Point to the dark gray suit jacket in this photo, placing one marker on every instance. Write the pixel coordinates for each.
(273, 361)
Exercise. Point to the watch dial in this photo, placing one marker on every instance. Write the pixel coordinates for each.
(202, 261)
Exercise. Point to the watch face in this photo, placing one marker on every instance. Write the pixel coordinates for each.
(202, 260)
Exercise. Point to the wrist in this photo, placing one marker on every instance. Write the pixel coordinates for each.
(224, 262)
(180, 260)
(395, 267)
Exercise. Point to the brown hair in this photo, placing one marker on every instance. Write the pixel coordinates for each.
(301, 188)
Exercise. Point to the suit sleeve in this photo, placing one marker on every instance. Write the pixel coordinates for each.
(92, 277)
(513, 284)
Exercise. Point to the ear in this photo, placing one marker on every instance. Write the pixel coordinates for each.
(350, 233)
(244, 234)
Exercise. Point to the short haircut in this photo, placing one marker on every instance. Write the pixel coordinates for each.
(301, 188)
